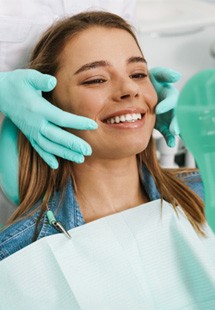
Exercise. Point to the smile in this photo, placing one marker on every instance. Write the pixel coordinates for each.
(125, 118)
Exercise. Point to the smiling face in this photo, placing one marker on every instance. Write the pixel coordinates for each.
(103, 76)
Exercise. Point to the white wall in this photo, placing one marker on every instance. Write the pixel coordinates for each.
(177, 34)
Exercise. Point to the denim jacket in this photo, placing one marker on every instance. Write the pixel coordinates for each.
(21, 234)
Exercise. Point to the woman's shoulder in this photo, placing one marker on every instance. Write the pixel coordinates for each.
(189, 176)
(192, 178)
(20, 234)
(23, 232)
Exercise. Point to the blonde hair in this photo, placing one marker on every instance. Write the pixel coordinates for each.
(36, 179)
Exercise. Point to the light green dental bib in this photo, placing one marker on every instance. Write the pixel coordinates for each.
(142, 258)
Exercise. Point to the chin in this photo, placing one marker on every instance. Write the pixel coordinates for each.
(136, 146)
(122, 150)
(137, 149)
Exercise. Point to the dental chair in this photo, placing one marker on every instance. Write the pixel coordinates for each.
(168, 157)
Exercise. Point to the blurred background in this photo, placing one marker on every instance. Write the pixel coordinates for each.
(179, 35)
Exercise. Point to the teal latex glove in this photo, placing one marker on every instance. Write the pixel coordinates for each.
(196, 118)
(9, 160)
(39, 120)
(166, 123)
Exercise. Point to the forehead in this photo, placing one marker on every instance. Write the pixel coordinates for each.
(99, 43)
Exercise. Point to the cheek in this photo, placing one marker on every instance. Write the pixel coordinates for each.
(153, 122)
(151, 97)
(86, 103)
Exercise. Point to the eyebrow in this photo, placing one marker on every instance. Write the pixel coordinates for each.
(136, 59)
(103, 63)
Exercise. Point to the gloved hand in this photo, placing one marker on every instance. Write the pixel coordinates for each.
(39, 120)
(162, 79)
(9, 161)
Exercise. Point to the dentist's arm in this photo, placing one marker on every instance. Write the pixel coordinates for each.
(162, 80)
(40, 121)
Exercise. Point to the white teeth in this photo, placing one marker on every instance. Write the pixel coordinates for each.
(124, 118)
(117, 120)
(128, 117)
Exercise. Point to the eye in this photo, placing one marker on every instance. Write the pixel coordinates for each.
(94, 81)
(139, 75)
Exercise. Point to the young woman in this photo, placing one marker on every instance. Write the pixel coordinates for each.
(102, 74)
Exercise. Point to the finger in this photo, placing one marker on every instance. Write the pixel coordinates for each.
(169, 138)
(66, 139)
(170, 141)
(165, 75)
(59, 150)
(47, 157)
(69, 120)
(174, 128)
(167, 104)
(40, 81)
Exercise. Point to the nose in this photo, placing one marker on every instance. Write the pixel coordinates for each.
(126, 89)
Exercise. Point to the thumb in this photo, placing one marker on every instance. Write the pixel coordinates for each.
(165, 75)
(40, 81)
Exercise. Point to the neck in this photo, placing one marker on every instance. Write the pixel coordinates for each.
(107, 186)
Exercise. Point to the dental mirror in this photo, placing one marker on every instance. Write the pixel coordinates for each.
(195, 113)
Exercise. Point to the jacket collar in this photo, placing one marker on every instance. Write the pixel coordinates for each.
(68, 212)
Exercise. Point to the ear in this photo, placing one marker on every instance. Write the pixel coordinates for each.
(9, 163)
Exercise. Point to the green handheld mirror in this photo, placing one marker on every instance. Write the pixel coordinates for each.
(196, 118)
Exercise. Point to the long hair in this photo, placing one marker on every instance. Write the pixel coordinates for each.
(37, 181)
